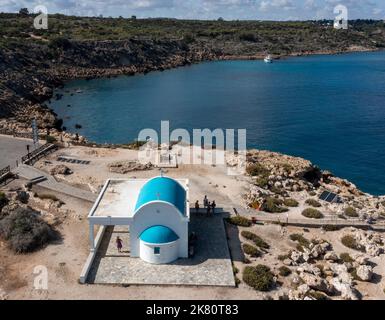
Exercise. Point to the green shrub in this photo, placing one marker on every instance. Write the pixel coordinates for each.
(312, 213)
(313, 203)
(300, 239)
(257, 169)
(350, 242)
(251, 250)
(258, 241)
(25, 231)
(288, 202)
(284, 271)
(50, 139)
(312, 193)
(345, 257)
(282, 257)
(239, 221)
(353, 273)
(273, 205)
(262, 182)
(260, 277)
(351, 212)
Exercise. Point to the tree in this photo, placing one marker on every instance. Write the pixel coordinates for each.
(133, 17)
(24, 11)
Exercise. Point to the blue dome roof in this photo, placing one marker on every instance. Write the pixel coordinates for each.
(162, 189)
(158, 234)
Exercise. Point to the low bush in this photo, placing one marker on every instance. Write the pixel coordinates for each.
(300, 239)
(257, 169)
(25, 231)
(345, 257)
(312, 213)
(288, 202)
(262, 182)
(350, 242)
(258, 241)
(251, 250)
(351, 212)
(284, 271)
(312, 193)
(313, 203)
(239, 221)
(50, 139)
(259, 277)
(273, 205)
(282, 257)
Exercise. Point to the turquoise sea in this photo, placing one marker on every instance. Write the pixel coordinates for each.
(328, 109)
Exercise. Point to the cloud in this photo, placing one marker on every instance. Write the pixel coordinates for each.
(267, 5)
(205, 9)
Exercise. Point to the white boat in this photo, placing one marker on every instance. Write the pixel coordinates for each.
(268, 59)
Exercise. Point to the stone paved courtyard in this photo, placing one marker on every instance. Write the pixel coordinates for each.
(210, 266)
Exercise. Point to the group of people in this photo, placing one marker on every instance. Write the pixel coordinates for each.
(209, 206)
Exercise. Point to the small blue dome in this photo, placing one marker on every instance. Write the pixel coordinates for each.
(163, 189)
(158, 234)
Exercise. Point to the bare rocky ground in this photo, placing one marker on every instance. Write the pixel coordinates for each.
(316, 265)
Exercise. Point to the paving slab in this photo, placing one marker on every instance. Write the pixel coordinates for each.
(210, 266)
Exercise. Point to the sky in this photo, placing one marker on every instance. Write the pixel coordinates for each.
(206, 9)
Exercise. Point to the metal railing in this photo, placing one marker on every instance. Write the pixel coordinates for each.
(5, 173)
(38, 153)
(7, 132)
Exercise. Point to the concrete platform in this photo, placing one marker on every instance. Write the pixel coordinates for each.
(211, 265)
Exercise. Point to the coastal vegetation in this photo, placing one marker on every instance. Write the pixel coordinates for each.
(300, 239)
(312, 213)
(313, 203)
(288, 202)
(259, 277)
(273, 205)
(284, 271)
(251, 250)
(351, 212)
(34, 62)
(350, 242)
(239, 221)
(258, 241)
(25, 231)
